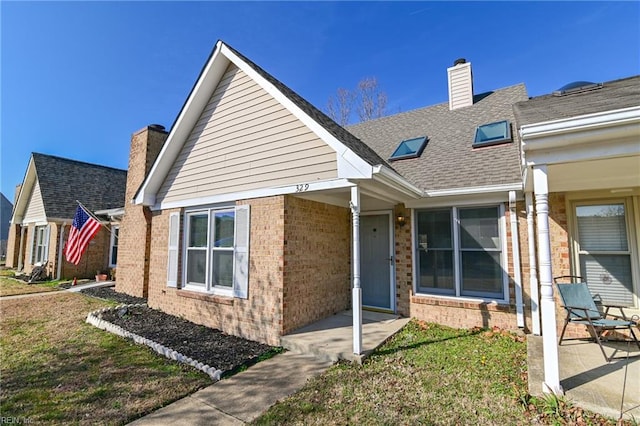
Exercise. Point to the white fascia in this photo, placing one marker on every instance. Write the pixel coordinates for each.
(350, 165)
(467, 196)
(185, 122)
(300, 189)
(25, 191)
(393, 180)
(608, 125)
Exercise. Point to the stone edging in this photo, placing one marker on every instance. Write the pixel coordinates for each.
(95, 318)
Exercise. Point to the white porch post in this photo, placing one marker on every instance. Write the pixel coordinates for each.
(547, 304)
(21, 249)
(533, 267)
(356, 291)
(60, 248)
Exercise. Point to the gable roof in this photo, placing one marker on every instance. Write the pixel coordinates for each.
(613, 95)
(449, 161)
(63, 181)
(339, 132)
(355, 159)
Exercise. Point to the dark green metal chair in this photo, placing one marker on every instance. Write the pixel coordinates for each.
(582, 309)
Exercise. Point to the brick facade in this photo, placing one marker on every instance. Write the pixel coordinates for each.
(449, 311)
(299, 271)
(13, 246)
(316, 261)
(94, 259)
(135, 228)
(259, 317)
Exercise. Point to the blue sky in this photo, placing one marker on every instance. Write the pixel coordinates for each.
(77, 78)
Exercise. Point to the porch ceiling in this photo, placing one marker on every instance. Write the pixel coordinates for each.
(341, 196)
(620, 173)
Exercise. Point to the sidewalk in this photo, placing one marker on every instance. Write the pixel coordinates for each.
(242, 397)
(73, 289)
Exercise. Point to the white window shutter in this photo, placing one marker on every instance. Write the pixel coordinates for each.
(32, 244)
(241, 253)
(172, 260)
(45, 241)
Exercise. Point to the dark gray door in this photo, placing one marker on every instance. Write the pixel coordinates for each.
(375, 261)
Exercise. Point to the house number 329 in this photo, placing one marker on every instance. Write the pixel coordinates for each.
(302, 187)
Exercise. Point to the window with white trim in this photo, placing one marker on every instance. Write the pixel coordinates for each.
(216, 250)
(459, 252)
(602, 236)
(113, 252)
(40, 245)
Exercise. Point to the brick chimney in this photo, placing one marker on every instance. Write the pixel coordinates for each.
(460, 84)
(132, 276)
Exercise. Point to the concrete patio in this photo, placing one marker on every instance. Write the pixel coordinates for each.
(331, 339)
(588, 380)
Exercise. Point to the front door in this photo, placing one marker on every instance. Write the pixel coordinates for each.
(376, 260)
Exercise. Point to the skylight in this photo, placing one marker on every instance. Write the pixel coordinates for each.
(576, 87)
(492, 133)
(409, 148)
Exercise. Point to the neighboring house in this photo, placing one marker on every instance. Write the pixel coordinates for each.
(46, 202)
(581, 153)
(5, 219)
(260, 213)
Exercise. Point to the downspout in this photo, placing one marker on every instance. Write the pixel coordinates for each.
(356, 291)
(21, 250)
(515, 249)
(60, 247)
(533, 267)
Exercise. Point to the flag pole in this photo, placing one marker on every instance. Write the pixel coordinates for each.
(90, 213)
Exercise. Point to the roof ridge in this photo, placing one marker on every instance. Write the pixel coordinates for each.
(422, 108)
(70, 160)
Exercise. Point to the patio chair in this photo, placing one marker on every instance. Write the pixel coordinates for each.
(582, 309)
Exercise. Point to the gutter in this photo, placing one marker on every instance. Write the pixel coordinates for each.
(515, 249)
(622, 123)
(393, 180)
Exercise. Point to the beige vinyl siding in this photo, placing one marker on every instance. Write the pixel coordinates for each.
(245, 140)
(460, 86)
(35, 207)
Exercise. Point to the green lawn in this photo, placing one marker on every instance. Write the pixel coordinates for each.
(10, 286)
(428, 374)
(56, 369)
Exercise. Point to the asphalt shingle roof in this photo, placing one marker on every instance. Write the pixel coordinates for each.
(63, 181)
(616, 94)
(449, 160)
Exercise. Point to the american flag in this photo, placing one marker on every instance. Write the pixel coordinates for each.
(83, 229)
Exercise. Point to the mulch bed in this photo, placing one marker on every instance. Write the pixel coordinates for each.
(109, 293)
(207, 345)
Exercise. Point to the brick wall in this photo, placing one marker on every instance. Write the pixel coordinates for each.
(317, 250)
(403, 259)
(259, 317)
(13, 246)
(449, 311)
(135, 228)
(93, 260)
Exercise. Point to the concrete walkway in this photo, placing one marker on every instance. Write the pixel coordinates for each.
(246, 395)
(242, 397)
(588, 380)
(73, 289)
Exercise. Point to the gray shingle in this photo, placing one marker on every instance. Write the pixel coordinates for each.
(616, 94)
(63, 181)
(449, 161)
